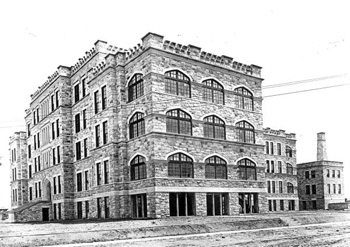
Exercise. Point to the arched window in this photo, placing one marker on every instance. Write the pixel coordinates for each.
(245, 132)
(177, 83)
(214, 127)
(289, 169)
(246, 169)
(138, 168)
(290, 188)
(215, 167)
(289, 151)
(244, 99)
(137, 125)
(180, 165)
(179, 122)
(135, 88)
(213, 91)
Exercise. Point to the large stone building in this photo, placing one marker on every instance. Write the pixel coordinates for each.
(162, 129)
(320, 182)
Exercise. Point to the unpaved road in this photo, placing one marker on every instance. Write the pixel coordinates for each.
(334, 234)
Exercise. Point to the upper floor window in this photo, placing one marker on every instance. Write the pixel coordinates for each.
(244, 99)
(179, 122)
(215, 167)
(246, 169)
(290, 188)
(245, 132)
(214, 127)
(279, 151)
(137, 125)
(76, 93)
(104, 97)
(180, 165)
(289, 151)
(138, 168)
(135, 89)
(177, 83)
(213, 91)
(289, 169)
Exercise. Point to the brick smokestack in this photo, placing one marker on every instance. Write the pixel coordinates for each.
(321, 146)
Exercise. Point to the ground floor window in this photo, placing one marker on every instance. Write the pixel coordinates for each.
(54, 211)
(291, 205)
(217, 204)
(314, 205)
(249, 203)
(87, 209)
(272, 205)
(139, 205)
(106, 204)
(80, 210)
(304, 207)
(281, 205)
(99, 208)
(182, 204)
(59, 210)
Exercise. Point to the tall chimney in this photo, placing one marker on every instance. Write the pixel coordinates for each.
(321, 146)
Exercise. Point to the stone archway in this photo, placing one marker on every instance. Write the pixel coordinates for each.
(46, 190)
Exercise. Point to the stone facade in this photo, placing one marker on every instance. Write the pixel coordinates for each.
(82, 117)
(281, 170)
(320, 182)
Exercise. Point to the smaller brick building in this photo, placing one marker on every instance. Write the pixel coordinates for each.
(320, 182)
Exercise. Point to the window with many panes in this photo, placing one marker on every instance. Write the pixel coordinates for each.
(138, 168)
(244, 99)
(214, 127)
(290, 188)
(135, 89)
(289, 169)
(179, 122)
(137, 125)
(246, 169)
(180, 165)
(245, 132)
(177, 83)
(215, 168)
(213, 91)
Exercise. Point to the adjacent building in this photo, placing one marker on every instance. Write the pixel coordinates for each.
(320, 182)
(162, 129)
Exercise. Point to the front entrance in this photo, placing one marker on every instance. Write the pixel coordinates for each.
(248, 203)
(45, 214)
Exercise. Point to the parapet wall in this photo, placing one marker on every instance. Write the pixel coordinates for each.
(281, 133)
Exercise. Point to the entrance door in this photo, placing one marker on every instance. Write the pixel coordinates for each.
(45, 214)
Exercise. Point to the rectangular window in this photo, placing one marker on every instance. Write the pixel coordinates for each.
(86, 177)
(104, 97)
(313, 189)
(30, 193)
(279, 149)
(182, 204)
(78, 151)
(98, 173)
(327, 173)
(53, 156)
(272, 166)
(36, 190)
(329, 188)
(268, 186)
(53, 130)
(76, 93)
(39, 188)
(80, 210)
(29, 151)
(83, 87)
(280, 186)
(84, 119)
(106, 171)
(307, 189)
(271, 148)
(87, 209)
(59, 184)
(37, 115)
(58, 155)
(97, 135)
(79, 182)
(106, 202)
(85, 148)
(105, 132)
(54, 186)
(99, 208)
(267, 166)
(270, 205)
(34, 137)
(59, 210)
(274, 205)
(57, 127)
(338, 174)
(313, 174)
(273, 187)
(35, 165)
(334, 189)
(38, 136)
(307, 174)
(217, 204)
(57, 100)
(55, 211)
(52, 102)
(30, 171)
(333, 173)
(96, 102)
(267, 148)
(28, 130)
(279, 166)
(139, 206)
(339, 188)
(77, 123)
(281, 205)
(34, 118)
(39, 165)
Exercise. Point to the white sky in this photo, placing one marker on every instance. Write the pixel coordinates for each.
(291, 40)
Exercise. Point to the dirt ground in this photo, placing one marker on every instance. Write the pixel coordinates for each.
(73, 232)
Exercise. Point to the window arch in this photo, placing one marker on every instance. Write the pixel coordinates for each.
(244, 99)
(289, 151)
(135, 87)
(213, 91)
(177, 83)
(137, 125)
(289, 169)
(178, 121)
(246, 169)
(180, 165)
(138, 168)
(214, 127)
(216, 168)
(290, 188)
(245, 132)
